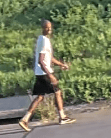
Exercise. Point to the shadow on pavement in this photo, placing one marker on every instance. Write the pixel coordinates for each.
(13, 132)
(26, 134)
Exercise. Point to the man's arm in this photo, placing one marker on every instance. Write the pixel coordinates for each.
(52, 78)
(55, 61)
(43, 65)
(63, 66)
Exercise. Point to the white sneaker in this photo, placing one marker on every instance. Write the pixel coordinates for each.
(66, 120)
(24, 125)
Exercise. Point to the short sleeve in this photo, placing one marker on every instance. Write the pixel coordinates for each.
(43, 46)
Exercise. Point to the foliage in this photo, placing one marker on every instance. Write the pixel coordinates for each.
(86, 81)
(82, 32)
(49, 112)
(82, 39)
(16, 82)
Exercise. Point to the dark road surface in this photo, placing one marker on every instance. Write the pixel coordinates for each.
(89, 125)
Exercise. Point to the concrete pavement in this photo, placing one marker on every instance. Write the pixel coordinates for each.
(89, 124)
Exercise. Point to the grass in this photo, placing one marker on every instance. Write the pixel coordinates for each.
(46, 110)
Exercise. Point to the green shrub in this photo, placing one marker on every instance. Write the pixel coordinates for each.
(86, 82)
(82, 32)
(46, 110)
(16, 82)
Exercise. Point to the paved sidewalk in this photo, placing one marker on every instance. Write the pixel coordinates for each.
(89, 124)
(86, 107)
(72, 111)
(10, 128)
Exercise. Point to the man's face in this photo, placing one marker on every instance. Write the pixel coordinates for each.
(48, 28)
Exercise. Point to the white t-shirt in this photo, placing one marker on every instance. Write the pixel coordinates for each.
(43, 45)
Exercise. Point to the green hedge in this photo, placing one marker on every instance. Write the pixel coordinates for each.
(82, 32)
(19, 82)
(86, 80)
(83, 39)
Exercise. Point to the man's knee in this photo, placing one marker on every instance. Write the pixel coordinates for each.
(40, 97)
(58, 93)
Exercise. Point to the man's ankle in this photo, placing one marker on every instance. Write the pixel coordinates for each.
(63, 117)
(26, 117)
(61, 113)
(23, 120)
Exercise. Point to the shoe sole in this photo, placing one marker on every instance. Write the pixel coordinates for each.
(68, 122)
(21, 124)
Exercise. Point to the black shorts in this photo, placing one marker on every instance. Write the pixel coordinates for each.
(43, 86)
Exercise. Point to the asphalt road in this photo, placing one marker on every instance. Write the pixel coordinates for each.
(89, 125)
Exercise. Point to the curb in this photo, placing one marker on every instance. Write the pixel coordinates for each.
(70, 110)
(14, 128)
(83, 108)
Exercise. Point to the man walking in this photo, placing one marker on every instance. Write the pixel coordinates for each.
(45, 82)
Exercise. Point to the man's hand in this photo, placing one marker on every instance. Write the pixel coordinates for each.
(64, 67)
(53, 79)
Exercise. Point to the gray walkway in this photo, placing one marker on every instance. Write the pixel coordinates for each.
(89, 125)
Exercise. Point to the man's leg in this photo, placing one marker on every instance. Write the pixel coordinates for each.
(24, 121)
(63, 118)
(59, 101)
(35, 103)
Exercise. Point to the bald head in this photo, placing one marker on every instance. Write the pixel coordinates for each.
(44, 23)
(46, 27)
